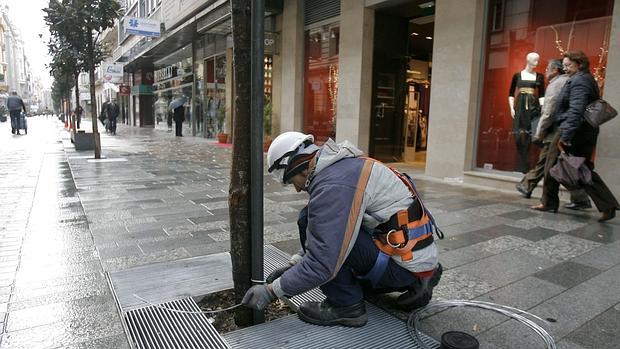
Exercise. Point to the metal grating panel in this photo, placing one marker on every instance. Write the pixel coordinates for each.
(153, 327)
(275, 258)
(319, 10)
(382, 331)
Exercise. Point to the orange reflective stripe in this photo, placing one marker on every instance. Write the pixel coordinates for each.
(354, 213)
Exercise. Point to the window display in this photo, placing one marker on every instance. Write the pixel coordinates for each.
(321, 82)
(522, 36)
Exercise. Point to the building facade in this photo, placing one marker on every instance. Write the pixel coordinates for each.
(420, 82)
(427, 82)
(15, 71)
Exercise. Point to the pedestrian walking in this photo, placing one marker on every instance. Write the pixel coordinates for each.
(178, 110)
(577, 137)
(109, 114)
(15, 105)
(113, 112)
(78, 116)
(544, 133)
(364, 232)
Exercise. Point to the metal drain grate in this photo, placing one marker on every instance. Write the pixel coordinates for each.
(153, 328)
(275, 258)
(382, 331)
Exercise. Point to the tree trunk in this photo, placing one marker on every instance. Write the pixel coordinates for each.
(93, 104)
(239, 192)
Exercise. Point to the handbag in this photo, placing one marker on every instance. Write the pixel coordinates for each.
(571, 171)
(599, 112)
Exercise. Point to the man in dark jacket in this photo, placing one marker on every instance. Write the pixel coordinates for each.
(15, 104)
(577, 137)
(113, 111)
(179, 117)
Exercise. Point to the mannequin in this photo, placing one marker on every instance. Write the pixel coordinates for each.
(525, 107)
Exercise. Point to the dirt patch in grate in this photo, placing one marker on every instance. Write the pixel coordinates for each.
(225, 321)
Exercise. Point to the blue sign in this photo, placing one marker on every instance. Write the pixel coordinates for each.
(142, 27)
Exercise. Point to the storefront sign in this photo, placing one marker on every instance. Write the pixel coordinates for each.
(142, 26)
(84, 96)
(124, 90)
(113, 73)
(168, 72)
(271, 43)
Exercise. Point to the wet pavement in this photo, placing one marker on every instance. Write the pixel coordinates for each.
(68, 219)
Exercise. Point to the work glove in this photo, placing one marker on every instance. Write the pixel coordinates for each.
(277, 273)
(258, 297)
(296, 258)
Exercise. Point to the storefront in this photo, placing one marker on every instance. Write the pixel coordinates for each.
(427, 82)
(514, 29)
(210, 67)
(479, 47)
(173, 79)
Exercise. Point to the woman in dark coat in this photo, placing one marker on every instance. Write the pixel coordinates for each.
(577, 136)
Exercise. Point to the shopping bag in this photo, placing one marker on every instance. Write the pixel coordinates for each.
(571, 171)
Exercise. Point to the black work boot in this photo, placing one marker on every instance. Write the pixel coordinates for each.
(420, 292)
(326, 314)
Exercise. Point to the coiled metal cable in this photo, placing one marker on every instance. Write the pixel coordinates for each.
(513, 313)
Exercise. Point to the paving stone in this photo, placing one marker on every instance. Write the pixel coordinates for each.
(601, 233)
(291, 246)
(566, 344)
(602, 258)
(568, 274)
(560, 247)
(453, 242)
(120, 263)
(491, 210)
(582, 303)
(466, 319)
(107, 253)
(502, 269)
(456, 285)
(213, 217)
(113, 342)
(600, 332)
(547, 221)
(480, 250)
(512, 334)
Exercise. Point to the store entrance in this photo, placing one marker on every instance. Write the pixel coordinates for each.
(403, 47)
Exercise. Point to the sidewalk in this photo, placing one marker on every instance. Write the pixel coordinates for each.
(155, 197)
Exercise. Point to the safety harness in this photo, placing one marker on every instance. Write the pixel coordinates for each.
(406, 231)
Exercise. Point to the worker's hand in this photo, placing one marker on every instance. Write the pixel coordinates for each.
(277, 273)
(512, 113)
(258, 297)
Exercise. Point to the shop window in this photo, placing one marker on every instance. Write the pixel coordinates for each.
(321, 82)
(516, 28)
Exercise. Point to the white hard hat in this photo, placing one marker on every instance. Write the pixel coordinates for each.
(284, 148)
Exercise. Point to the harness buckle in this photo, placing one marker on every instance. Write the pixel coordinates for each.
(387, 239)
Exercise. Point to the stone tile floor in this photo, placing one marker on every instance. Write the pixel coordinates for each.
(67, 220)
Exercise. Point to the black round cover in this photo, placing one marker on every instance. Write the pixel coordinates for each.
(458, 340)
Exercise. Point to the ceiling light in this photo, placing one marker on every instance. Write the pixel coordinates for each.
(429, 38)
(428, 4)
(414, 34)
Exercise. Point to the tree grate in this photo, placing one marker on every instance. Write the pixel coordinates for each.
(154, 327)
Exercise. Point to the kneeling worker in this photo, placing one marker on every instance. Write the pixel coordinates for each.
(364, 231)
